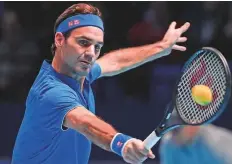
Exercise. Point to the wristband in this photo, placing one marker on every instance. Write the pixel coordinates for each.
(118, 142)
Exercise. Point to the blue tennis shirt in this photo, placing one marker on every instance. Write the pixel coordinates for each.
(41, 138)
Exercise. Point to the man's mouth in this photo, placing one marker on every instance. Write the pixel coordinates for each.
(85, 62)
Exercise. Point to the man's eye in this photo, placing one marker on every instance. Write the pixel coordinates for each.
(83, 43)
(97, 48)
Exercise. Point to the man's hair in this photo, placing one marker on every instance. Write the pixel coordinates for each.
(80, 8)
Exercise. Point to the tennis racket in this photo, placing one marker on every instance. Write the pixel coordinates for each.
(208, 67)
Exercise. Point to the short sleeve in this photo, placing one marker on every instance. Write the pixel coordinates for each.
(95, 72)
(56, 102)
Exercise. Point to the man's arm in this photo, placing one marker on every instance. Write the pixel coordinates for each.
(66, 110)
(119, 61)
(105, 136)
(95, 129)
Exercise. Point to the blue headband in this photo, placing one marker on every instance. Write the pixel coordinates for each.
(80, 20)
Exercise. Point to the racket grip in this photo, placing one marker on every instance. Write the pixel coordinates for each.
(151, 140)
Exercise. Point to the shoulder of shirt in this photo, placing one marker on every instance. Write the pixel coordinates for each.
(48, 82)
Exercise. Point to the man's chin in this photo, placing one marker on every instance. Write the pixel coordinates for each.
(83, 72)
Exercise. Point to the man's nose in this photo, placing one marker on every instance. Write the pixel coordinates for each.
(90, 53)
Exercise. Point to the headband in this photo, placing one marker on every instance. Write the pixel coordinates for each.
(80, 20)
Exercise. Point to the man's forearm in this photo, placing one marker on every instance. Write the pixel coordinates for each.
(135, 56)
(99, 132)
(92, 127)
(128, 58)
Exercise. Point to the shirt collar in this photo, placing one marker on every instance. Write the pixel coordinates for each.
(64, 78)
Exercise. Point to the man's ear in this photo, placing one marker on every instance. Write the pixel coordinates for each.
(59, 39)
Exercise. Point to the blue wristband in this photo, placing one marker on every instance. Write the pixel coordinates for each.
(118, 142)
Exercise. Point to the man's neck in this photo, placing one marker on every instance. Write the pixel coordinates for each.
(61, 68)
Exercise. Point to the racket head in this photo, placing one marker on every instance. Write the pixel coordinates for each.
(219, 73)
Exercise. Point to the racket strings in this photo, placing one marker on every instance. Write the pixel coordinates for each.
(206, 69)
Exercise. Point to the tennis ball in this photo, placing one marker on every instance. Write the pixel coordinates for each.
(202, 95)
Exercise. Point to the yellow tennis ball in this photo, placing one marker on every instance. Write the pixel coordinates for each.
(202, 95)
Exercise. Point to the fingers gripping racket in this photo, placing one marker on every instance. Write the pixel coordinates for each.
(208, 67)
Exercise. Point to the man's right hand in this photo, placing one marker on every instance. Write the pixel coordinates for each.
(135, 152)
(173, 36)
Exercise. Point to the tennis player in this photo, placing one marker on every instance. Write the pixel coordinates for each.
(59, 124)
(208, 144)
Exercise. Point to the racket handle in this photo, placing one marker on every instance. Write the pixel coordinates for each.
(151, 140)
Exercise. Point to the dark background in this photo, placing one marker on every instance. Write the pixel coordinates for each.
(133, 102)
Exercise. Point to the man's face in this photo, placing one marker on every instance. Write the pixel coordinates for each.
(81, 49)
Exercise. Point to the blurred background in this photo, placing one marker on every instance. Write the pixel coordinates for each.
(132, 102)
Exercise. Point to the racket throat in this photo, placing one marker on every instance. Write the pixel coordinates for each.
(170, 122)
